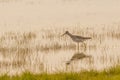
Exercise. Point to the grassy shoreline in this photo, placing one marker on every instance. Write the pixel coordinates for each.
(111, 74)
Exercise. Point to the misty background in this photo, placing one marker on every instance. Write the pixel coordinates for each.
(34, 14)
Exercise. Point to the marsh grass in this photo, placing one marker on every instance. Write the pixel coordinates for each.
(29, 50)
(110, 74)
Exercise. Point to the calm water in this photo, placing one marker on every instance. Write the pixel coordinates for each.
(29, 57)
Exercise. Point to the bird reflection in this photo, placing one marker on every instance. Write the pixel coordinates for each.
(78, 56)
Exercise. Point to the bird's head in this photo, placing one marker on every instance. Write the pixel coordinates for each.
(66, 32)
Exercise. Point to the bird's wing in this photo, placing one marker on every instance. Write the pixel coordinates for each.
(81, 37)
(78, 36)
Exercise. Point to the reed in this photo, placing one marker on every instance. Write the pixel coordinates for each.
(33, 50)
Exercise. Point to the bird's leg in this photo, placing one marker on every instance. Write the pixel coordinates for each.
(84, 46)
(78, 46)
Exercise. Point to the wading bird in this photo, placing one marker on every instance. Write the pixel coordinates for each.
(77, 39)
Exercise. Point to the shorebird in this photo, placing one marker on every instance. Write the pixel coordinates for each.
(78, 56)
(77, 38)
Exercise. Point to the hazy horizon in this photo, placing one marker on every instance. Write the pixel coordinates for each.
(36, 13)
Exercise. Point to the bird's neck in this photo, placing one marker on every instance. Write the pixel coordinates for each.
(69, 34)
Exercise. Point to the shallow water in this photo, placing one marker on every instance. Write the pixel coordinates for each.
(103, 57)
(47, 51)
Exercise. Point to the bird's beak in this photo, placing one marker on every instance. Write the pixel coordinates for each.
(63, 34)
